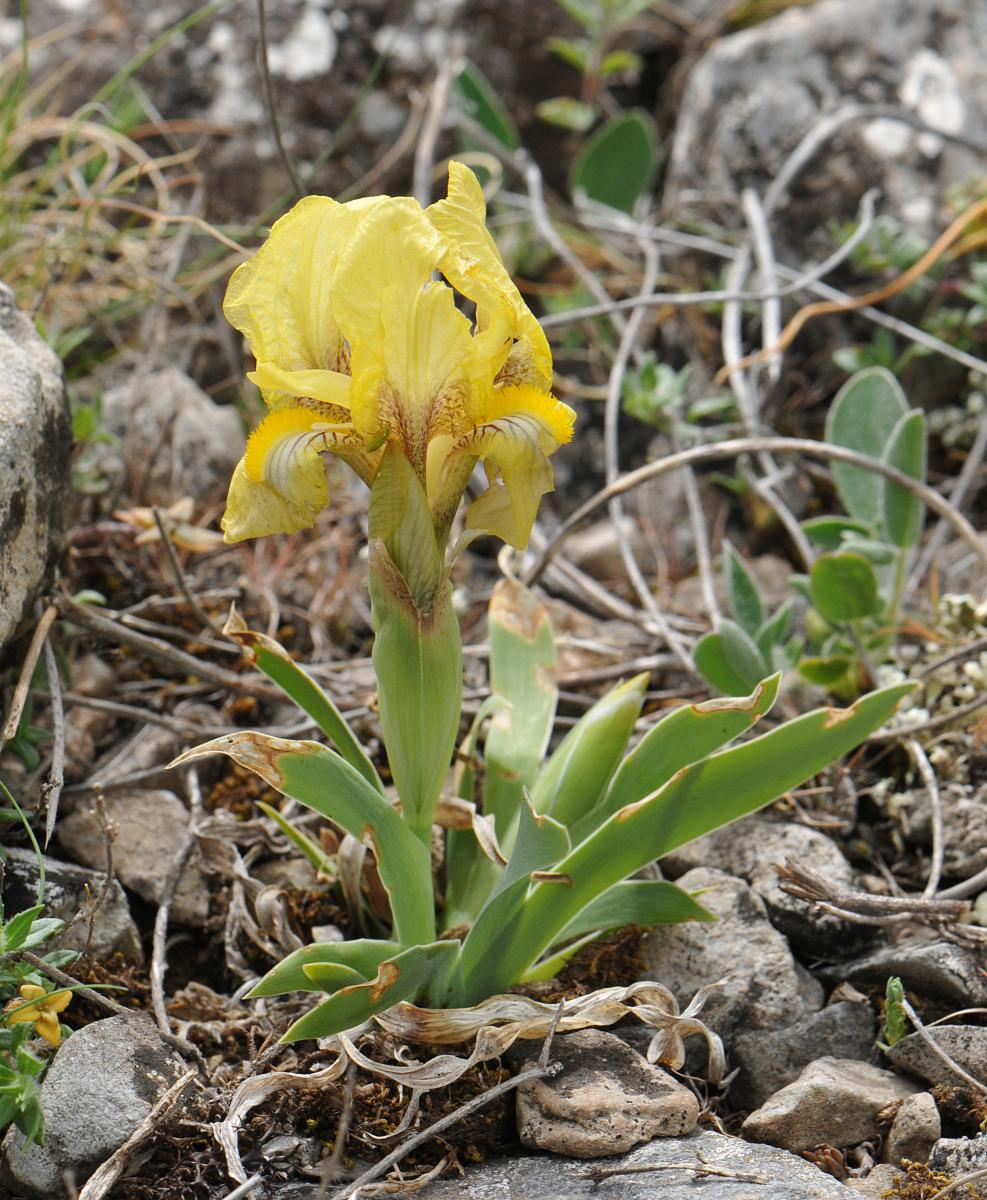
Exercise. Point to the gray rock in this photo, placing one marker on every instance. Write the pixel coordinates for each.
(152, 748)
(594, 549)
(966, 1044)
(768, 1059)
(835, 1101)
(185, 443)
(959, 1156)
(766, 990)
(761, 1173)
(150, 829)
(102, 1083)
(606, 1100)
(964, 818)
(69, 889)
(877, 1184)
(937, 968)
(35, 463)
(914, 1131)
(753, 95)
(751, 849)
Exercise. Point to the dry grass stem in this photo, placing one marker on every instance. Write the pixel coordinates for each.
(611, 418)
(800, 282)
(195, 607)
(23, 685)
(51, 789)
(159, 945)
(958, 497)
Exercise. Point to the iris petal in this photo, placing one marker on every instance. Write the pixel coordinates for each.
(411, 352)
(280, 299)
(328, 387)
(522, 426)
(508, 334)
(279, 486)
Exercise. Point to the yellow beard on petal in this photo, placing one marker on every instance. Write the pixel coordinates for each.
(555, 418)
(269, 432)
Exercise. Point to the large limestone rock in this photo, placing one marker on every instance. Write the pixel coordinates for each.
(754, 95)
(35, 468)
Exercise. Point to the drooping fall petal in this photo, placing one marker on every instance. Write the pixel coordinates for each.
(279, 486)
(522, 426)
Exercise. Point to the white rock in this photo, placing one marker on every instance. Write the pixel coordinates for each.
(753, 95)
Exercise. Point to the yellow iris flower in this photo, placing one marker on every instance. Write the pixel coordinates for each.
(358, 346)
(42, 1011)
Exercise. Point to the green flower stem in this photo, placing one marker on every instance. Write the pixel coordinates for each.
(417, 655)
(418, 661)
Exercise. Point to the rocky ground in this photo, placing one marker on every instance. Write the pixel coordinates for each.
(179, 892)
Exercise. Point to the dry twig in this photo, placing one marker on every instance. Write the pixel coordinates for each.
(465, 1110)
(924, 768)
(939, 1052)
(700, 1169)
(106, 1175)
(65, 980)
(805, 884)
(160, 652)
(752, 445)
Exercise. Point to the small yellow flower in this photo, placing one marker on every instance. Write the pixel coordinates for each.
(41, 1010)
(359, 346)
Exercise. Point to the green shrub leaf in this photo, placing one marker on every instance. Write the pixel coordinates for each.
(476, 96)
(618, 162)
(863, 417)
(729, 659)
(844, 587)
(906, 450)
(742, 593)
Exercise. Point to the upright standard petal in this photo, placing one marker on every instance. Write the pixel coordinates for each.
(410, 349)
(507, 333)
(280, 299)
